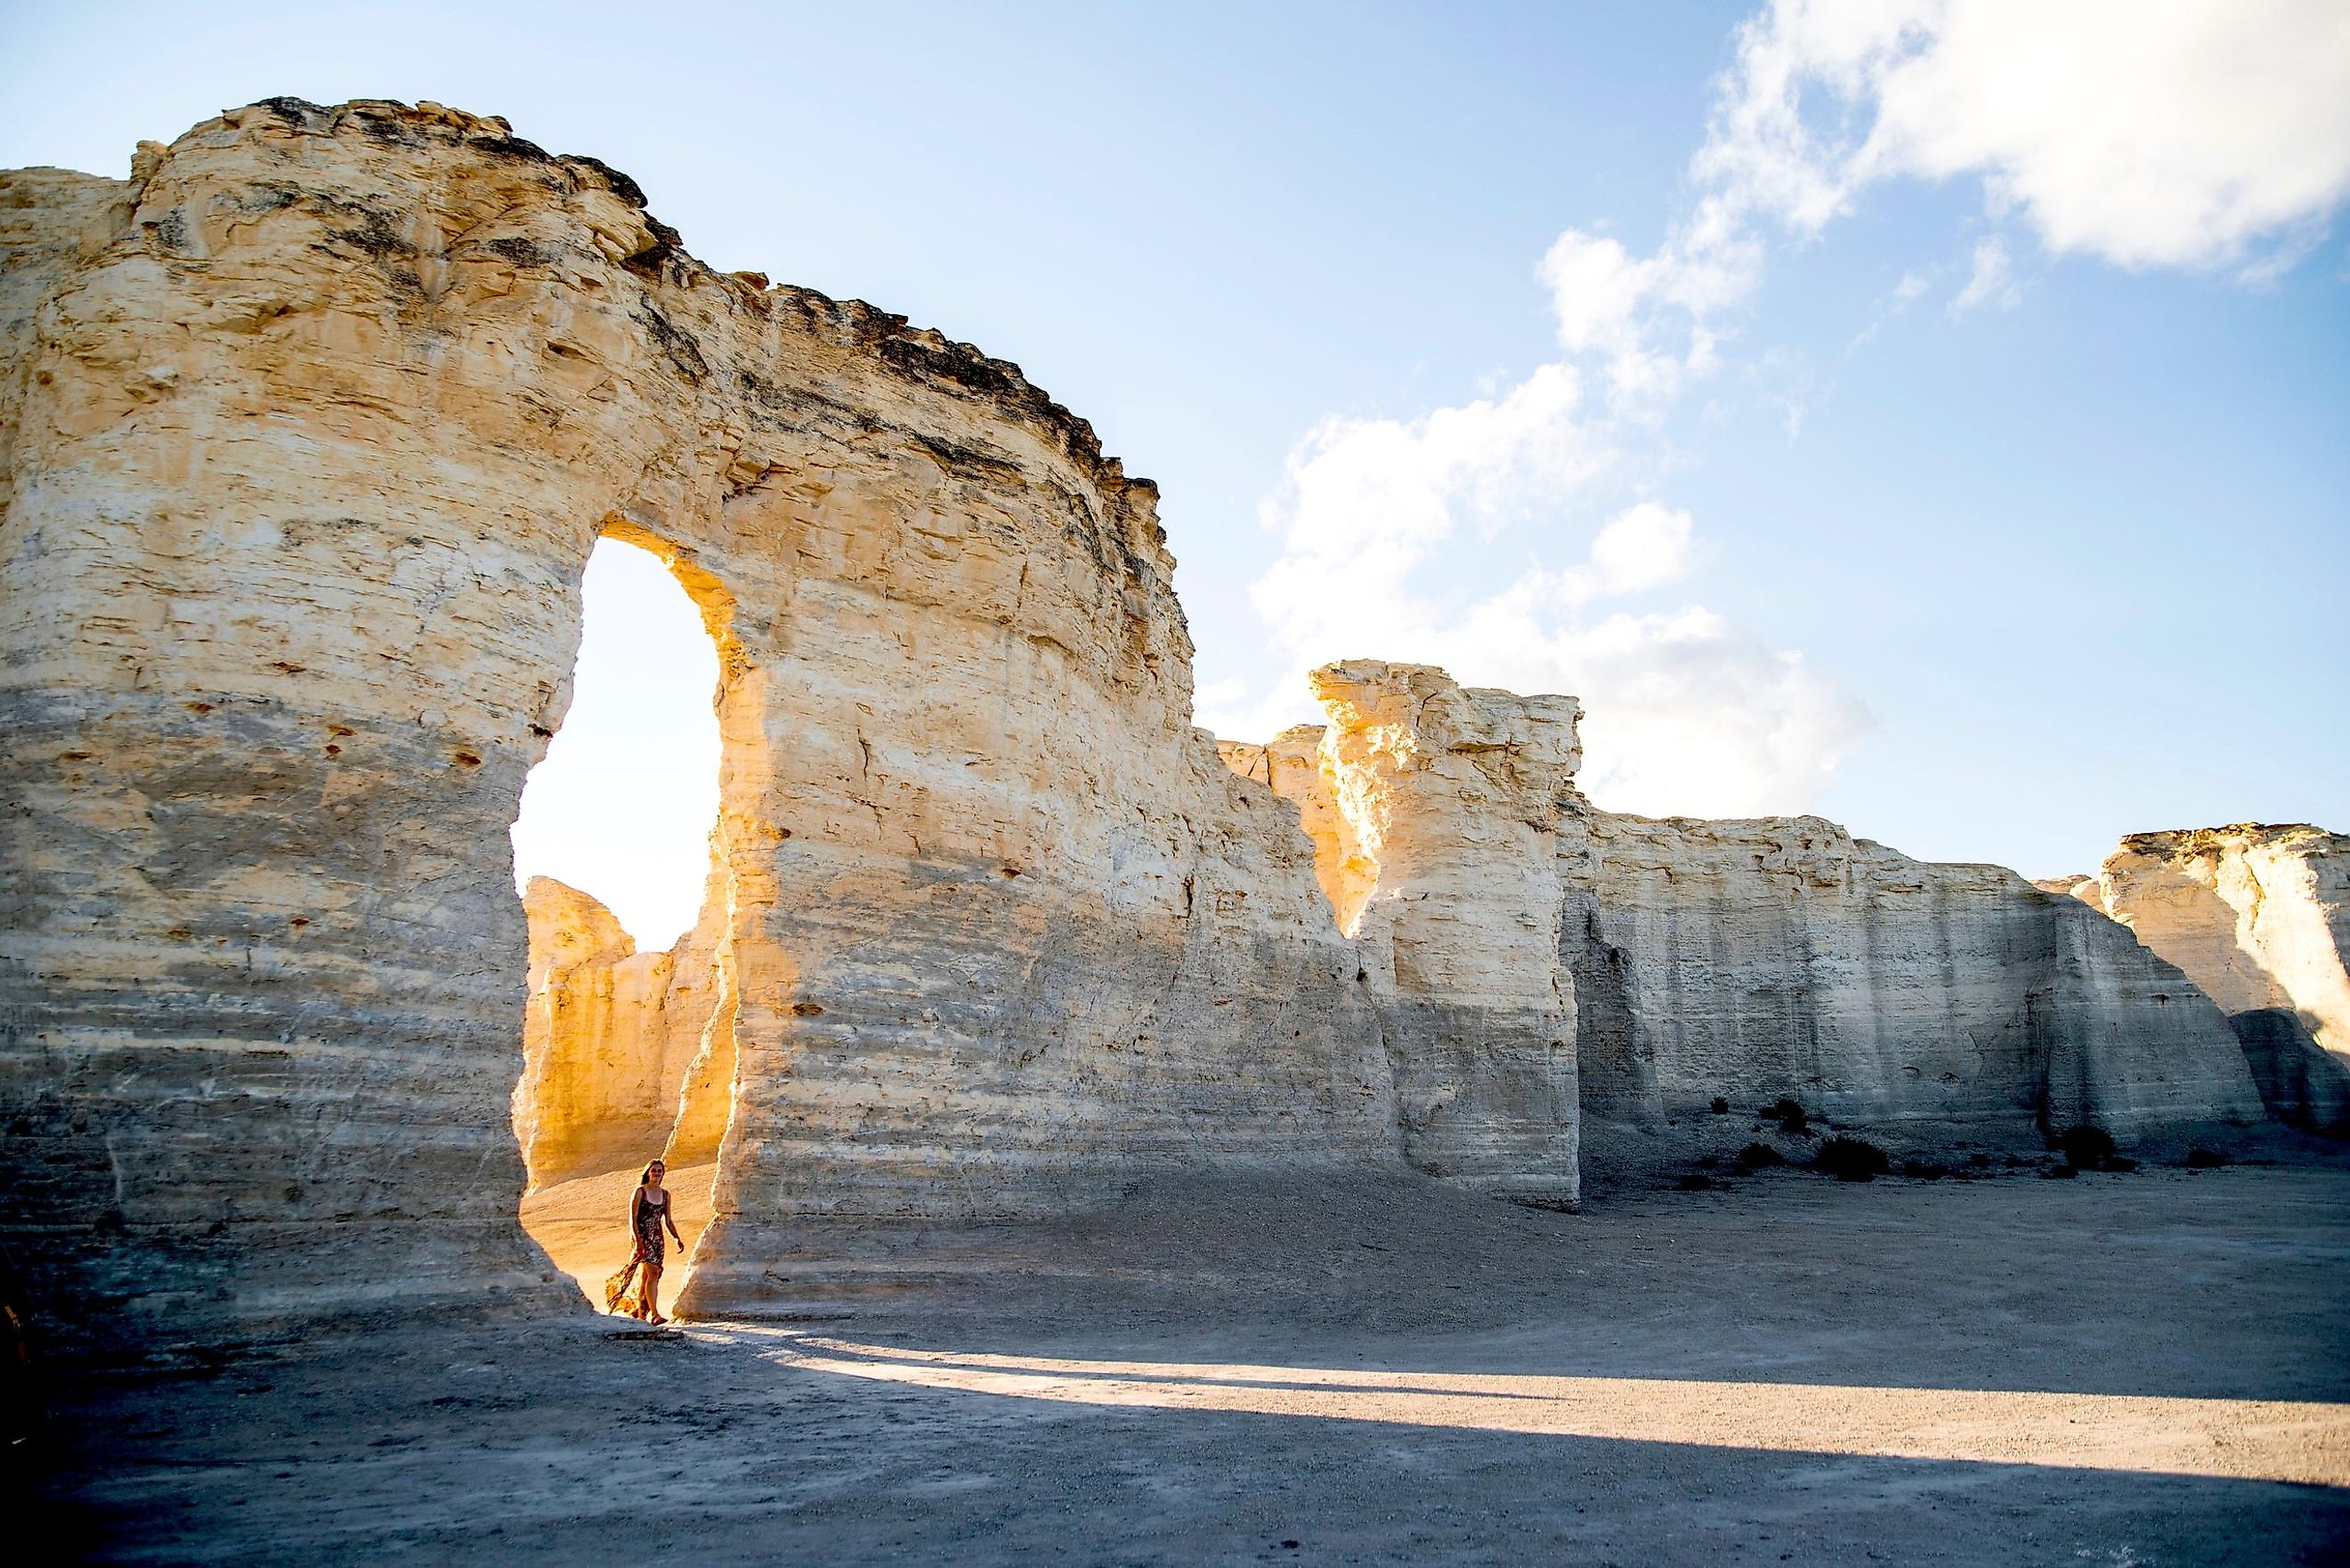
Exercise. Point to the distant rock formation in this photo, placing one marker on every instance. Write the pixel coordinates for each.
(2259, 917)
(609, 1035)
(2080, 885)
(1743, 960)
(1782, 958)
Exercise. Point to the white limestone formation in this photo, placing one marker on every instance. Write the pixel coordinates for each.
(311, 427)
(2259, 917)
(306, 431)
(1745, 962)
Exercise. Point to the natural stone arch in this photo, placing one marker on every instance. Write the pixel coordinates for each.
(305, 433)
(315, 422)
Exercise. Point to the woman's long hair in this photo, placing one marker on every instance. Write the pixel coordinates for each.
(646, 1179)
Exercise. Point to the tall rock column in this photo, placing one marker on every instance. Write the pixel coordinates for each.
(1447, 801)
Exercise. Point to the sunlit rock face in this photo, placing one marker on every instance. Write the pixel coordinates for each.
(2079, 885)
(2259, 917)
(609, 1036)
(306, 431)
(1434, 810)
(1695, 960)
(309, 429)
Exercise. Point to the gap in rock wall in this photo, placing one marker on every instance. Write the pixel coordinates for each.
(627, 1055)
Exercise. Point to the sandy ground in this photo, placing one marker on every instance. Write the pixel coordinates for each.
(2124, 1370)
(584, 1225)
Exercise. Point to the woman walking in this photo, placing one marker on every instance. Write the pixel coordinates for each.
(648, 1212)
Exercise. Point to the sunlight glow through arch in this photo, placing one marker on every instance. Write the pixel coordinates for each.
(622, 804)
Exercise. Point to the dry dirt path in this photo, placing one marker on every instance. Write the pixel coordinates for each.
(2141, 1370)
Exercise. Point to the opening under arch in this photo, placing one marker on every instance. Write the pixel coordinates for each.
(628, 1032)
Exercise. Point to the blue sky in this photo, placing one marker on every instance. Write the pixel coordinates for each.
(1938, 428)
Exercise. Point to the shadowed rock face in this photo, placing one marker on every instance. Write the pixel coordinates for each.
(2300, 1082)
(1781, 957)
(311, 427)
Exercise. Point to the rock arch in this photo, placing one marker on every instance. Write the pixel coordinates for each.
(314, 420)
(306, 433)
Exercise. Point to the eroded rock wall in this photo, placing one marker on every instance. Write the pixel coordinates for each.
(310, 434)
(1432, 810)
(1781, 957)
(609, 1036)
(1691, 960)
(2258, 916)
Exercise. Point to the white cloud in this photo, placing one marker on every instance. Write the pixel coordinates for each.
(2154, 132)
(2147, 132)
(1991, 283)
(1689, 712)
(1596, 290)
(1640, 549)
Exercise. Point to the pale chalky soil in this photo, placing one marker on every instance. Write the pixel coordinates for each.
(2121, 1369)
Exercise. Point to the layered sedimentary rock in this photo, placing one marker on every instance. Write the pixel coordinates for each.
(699, 1021)
(311, 426)
(2259, 917)
(1745, 960)
(306, 433)
(608, 1035)
(1439, 809)
(1781, 957)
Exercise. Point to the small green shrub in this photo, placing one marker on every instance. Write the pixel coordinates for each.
(1695, 1181)
(2205, 1158)
(1788, 1113)
(1720, 1106)
(1755, 1156)
(1852, 1159)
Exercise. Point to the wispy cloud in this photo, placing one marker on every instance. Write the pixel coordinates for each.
(2149, 134)
(1991, 283)
(2146, 132)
